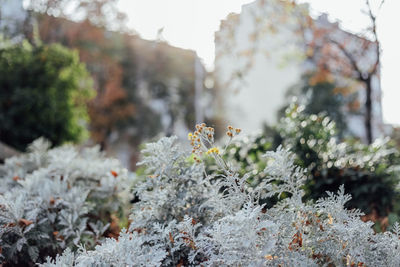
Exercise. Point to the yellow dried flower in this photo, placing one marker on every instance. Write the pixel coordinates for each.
(213, 150)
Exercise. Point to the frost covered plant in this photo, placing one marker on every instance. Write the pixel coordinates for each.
(186, 217)
(51, 199)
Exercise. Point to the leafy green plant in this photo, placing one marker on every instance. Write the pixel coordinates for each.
(322, 96)
(368, 172)
(44, 91)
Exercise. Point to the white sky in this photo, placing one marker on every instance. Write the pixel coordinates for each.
(191, 24)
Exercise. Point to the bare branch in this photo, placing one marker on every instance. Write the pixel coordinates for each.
(374, 32)
(381, 4)
(349, 56)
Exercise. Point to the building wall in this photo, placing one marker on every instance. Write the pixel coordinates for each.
(254, 99)
(277, 64)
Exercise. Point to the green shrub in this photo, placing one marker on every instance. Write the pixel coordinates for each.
(323, 96)
(43, 92)
(365, 170)
(368, 172)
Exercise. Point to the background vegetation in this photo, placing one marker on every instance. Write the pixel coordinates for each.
(44, 92)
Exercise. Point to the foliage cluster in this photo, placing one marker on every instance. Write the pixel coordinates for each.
(323, 96)
(44, 92)
(188, 217)
(368, 172)
(52, 199)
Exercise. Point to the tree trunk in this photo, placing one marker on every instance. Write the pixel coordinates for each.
(368, 110)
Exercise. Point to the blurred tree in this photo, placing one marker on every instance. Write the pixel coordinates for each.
(359, 61)
(348, 60)
(44, 91)
(143, 87)
(111, 109)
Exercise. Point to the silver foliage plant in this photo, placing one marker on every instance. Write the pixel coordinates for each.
(186, 217)
(52, 199)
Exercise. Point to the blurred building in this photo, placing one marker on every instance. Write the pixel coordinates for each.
(145, 88)
(264, 50)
